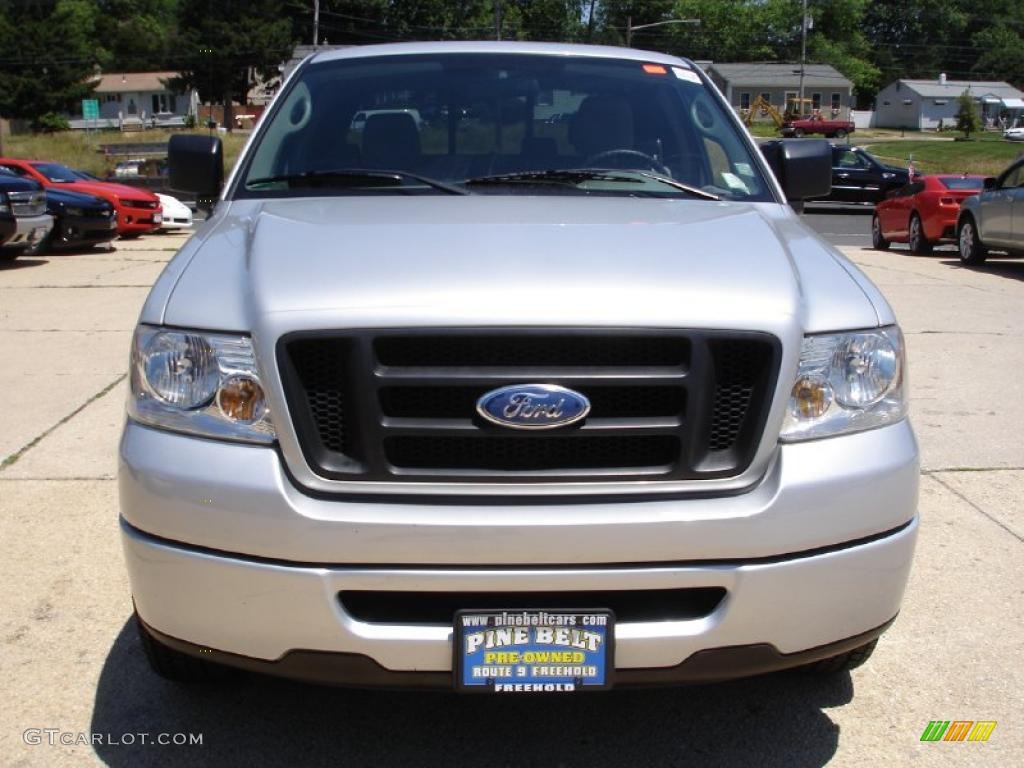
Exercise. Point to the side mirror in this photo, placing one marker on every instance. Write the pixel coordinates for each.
(989, 183)
(802, 166)
(196, 165)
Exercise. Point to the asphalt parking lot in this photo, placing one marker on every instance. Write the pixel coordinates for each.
(69, 658)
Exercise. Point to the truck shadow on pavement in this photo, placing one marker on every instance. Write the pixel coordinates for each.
(996, 266)
(774, 720)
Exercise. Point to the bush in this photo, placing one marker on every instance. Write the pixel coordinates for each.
(190, 120)
(51, 122)
(967, 119)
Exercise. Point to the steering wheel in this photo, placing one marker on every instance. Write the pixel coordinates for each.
(649, 162)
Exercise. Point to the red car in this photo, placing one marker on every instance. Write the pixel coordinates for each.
(923, 212)
(138, 210)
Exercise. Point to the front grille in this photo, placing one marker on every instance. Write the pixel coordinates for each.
(29, 203)
(144, 204)
(401, 406)
(535, 453)
(629, 605)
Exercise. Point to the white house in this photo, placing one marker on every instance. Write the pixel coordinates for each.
(922, 104)
(830, 93)
(141, 98)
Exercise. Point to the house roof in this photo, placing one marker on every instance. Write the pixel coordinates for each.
(953, 88)
(779, 75)
(125, 82)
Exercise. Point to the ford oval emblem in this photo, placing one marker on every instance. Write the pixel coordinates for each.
(533, 406)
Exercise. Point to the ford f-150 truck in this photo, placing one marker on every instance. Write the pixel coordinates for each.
(506, 404)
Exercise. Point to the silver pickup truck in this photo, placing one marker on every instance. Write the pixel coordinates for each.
(507, 403)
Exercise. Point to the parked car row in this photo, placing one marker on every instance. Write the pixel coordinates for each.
(48, 206)
(979, 214)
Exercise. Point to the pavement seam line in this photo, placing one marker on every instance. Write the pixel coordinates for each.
(13, 458)
(971, 469)
(974, 506)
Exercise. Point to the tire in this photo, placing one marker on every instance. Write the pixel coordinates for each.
(844, 662)
(841, 133)
(972, 252)
(7, 255)
(130, 235)
(919, 244)
(798, 133)
(176, 666)
(878, 242)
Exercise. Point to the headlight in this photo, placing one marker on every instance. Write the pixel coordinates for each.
(197, 382)
(847, 382)
(74, 211)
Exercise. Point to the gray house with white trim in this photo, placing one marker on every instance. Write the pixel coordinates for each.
(923, 104)
(830, 93)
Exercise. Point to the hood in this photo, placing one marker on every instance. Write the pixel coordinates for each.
(106, 189)
(78, 199)
(11, 183)
(501, 260)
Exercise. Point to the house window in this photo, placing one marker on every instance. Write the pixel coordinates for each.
(836, 102)
(767, 98)
(163, 103)
(941, 102)
(815, 101)
(744, 101)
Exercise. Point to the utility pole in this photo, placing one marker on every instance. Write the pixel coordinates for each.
(803, 59)
(629, 31)
(497, 19)
(316, 22)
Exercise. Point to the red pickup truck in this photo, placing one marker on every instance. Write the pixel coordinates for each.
(804, 125)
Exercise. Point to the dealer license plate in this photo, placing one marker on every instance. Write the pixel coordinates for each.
(535, 650)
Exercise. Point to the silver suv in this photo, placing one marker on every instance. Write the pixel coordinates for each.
(508, 403)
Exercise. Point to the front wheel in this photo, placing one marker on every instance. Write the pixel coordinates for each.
(918, 242)
(972, 252)
(878, 242)
(798, 133)
(843, 662)
(841, 133)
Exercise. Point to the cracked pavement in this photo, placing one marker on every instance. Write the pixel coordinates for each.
(70, 660)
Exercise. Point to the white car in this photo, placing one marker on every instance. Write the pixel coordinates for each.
(177, 215)
(1014, 134)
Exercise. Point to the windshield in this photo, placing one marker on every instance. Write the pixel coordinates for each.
(56, 172)
(965, 182)
(501, 124)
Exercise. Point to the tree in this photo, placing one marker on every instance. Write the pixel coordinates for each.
(137, 34)
(228, 42)
(47, 56)
(967, 119)
(1002, 56)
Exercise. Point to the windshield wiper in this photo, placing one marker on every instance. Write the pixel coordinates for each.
(352, 177)
(574, 176)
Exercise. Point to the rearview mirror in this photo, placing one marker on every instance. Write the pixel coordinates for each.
(802, 166)
(196, 165)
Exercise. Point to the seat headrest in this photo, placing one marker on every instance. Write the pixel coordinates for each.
(602, 123)
(391, 140)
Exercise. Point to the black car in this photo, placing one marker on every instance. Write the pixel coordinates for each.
(858, 177)
(23, 217)
(79, 221)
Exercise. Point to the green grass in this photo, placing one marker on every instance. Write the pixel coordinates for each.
(988, 154)
(80, 149)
